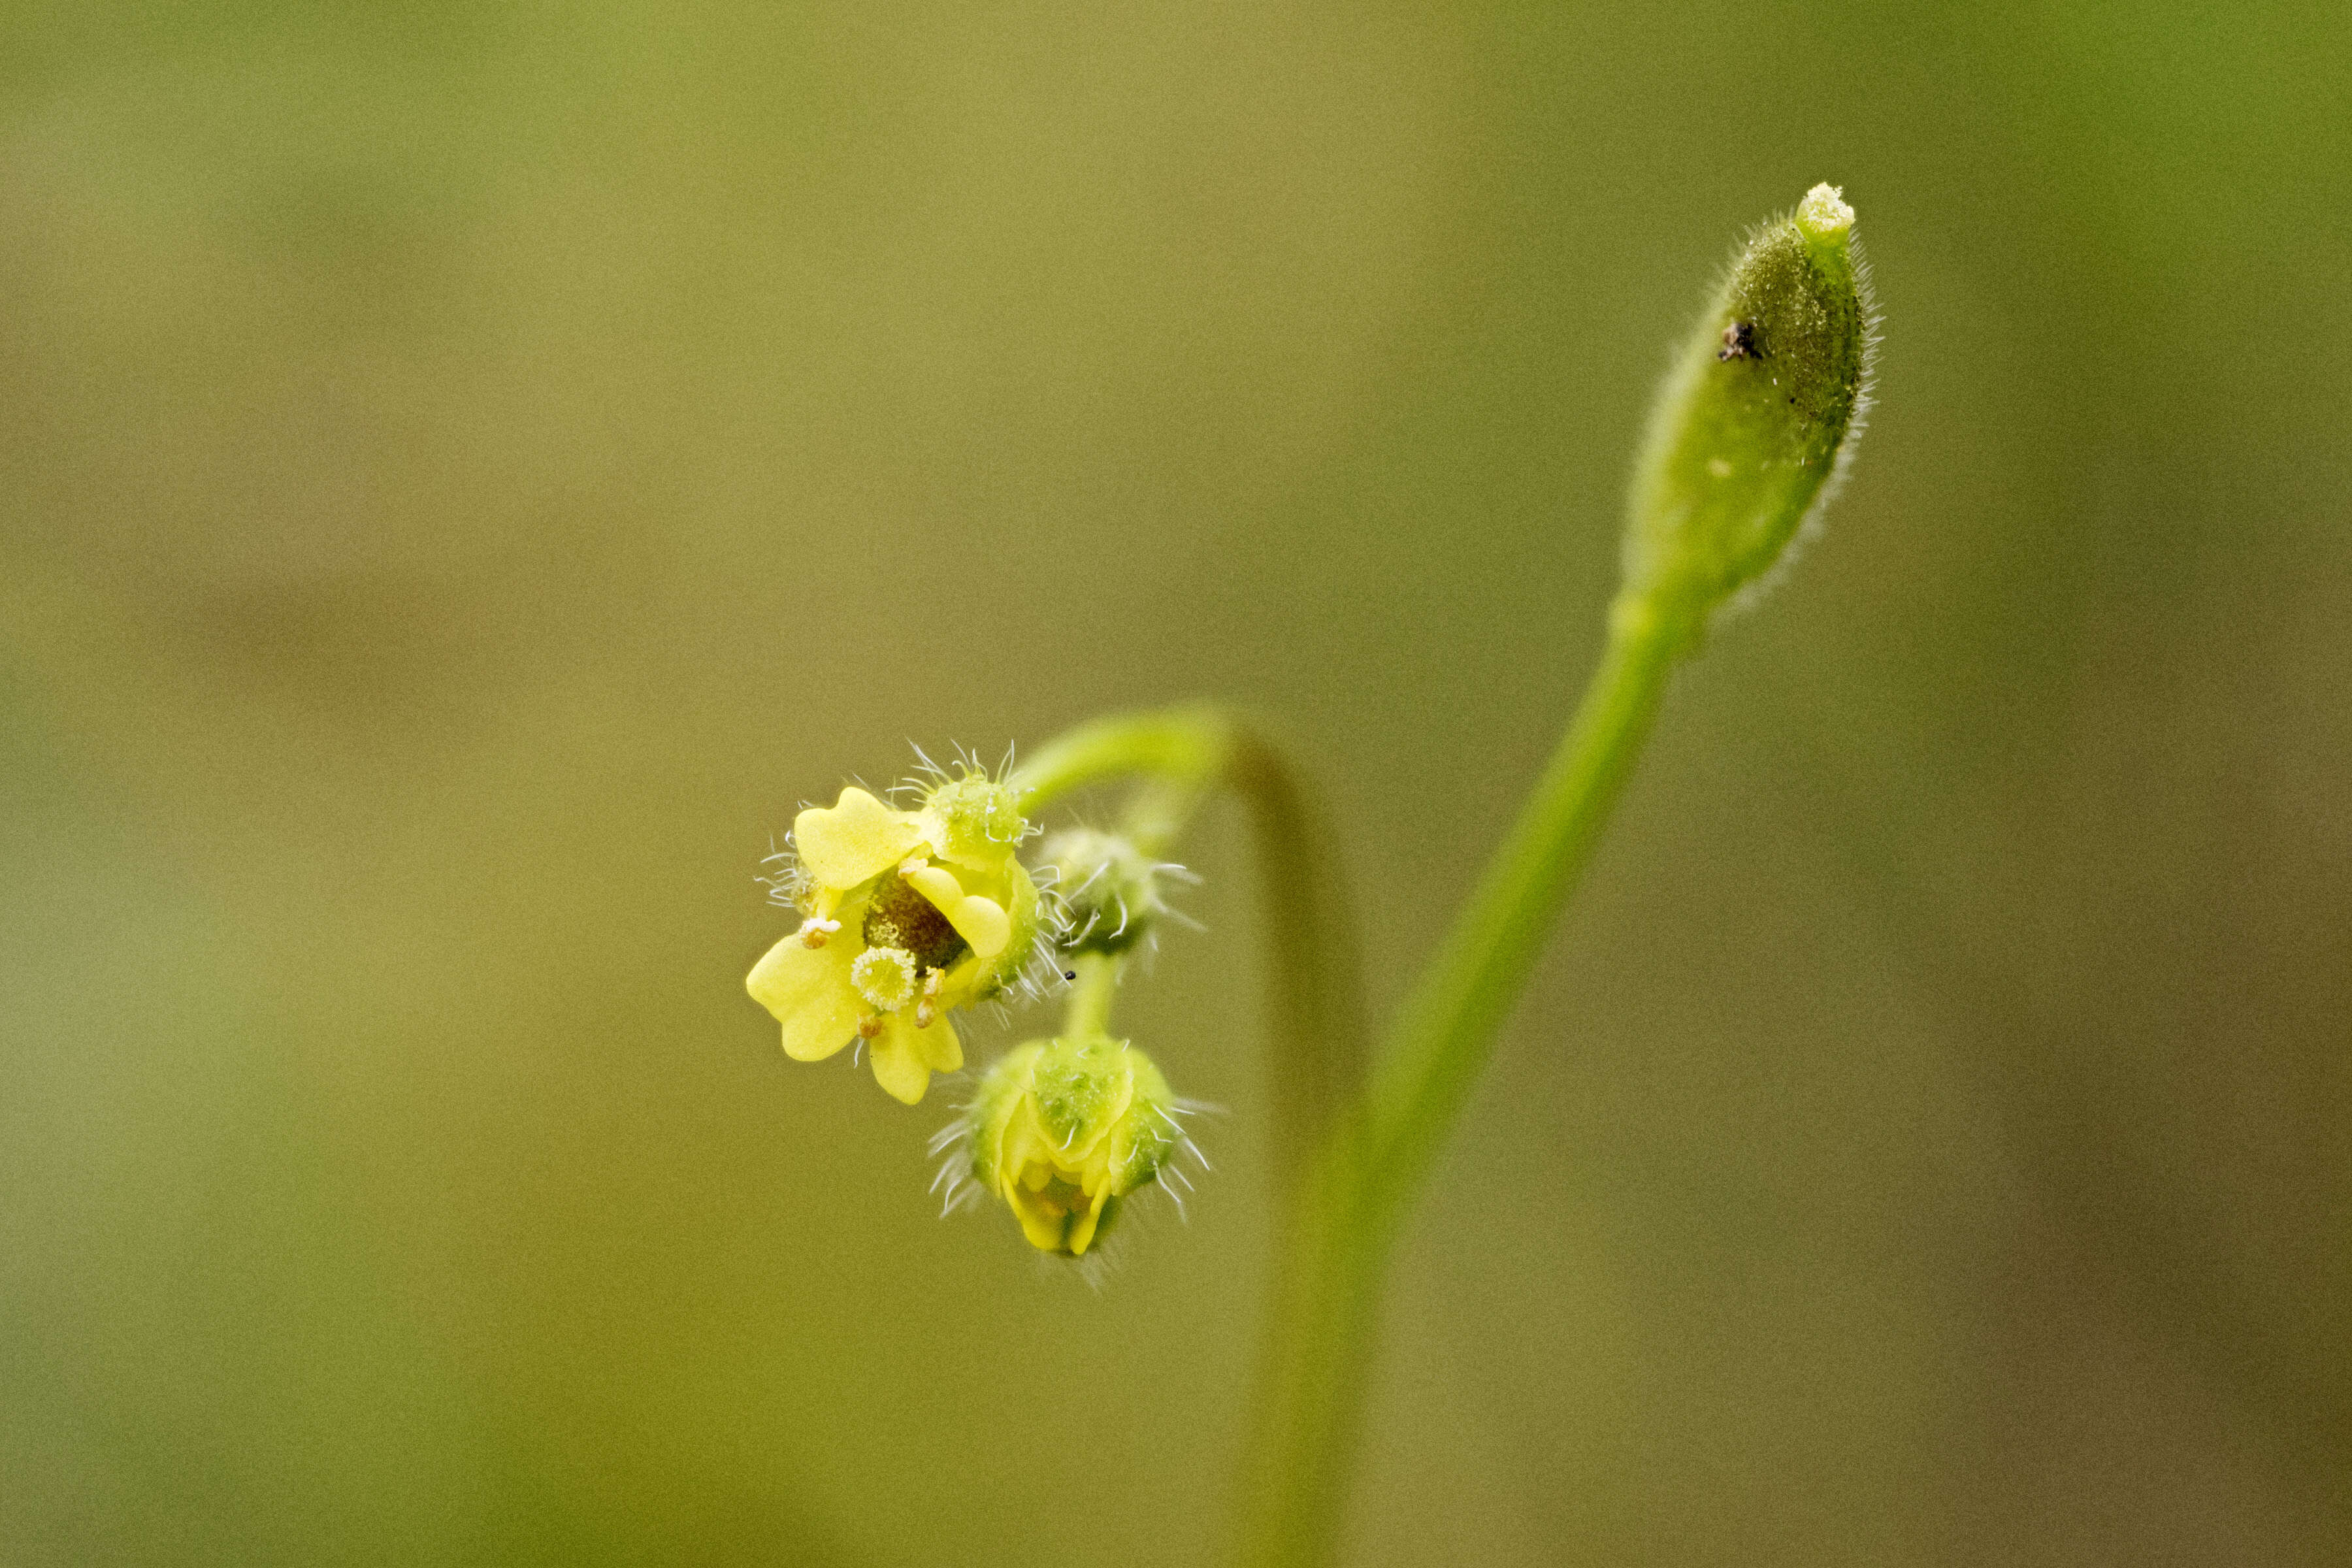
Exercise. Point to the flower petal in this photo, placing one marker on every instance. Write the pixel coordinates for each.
(1081, 1234)
(856, 837)
(937, 1044)
(1045, 1223)
(808, 990)
(981, 921)
(898, 1059)
(937, 884)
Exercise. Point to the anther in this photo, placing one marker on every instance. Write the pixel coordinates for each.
(814, 931)
(869, 1025)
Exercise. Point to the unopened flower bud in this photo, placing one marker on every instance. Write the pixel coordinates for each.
(1109, 890)
(1757, 413)
(1064, 1130)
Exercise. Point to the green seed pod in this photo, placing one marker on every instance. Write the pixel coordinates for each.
(1757, 415)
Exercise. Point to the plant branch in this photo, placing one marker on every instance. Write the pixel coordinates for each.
(1345, 1214)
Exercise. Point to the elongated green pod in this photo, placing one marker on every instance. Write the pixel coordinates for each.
(1755, 419)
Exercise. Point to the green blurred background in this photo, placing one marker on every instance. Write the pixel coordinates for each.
(470, 472)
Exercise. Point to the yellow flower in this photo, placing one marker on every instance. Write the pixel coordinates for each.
(1064, 1130)
(909, 915)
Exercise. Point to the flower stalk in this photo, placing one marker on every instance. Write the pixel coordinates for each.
(1325, 1304)
(1087, 1009)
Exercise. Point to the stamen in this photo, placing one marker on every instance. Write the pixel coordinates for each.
(814, 931)
(869, 1026)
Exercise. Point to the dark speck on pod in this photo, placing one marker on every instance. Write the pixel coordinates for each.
(1740, 341)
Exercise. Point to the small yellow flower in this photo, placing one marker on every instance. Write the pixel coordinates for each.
(1064, 1130)
(908, 914)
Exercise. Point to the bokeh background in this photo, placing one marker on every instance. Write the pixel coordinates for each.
(470, 472)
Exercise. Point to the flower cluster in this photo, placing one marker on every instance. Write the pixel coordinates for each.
(908, 915)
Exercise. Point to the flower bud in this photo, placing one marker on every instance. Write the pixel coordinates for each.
(1758, 412)
(1109, 890)
(1064, 1130)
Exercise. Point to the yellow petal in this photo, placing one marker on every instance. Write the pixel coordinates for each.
(939, 1047)
(1041, 1222)
(808, 990)
(856, 837)
(898, 1065)
(1082, 1227)
(1025, 1144)
(937, 884)
(981, 921)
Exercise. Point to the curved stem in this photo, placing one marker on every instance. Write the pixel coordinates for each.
(1185, 745)
(1345, 1214)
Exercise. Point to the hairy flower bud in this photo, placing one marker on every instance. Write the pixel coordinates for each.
(1064, 1130)
(1759, 411)
(1109, 890)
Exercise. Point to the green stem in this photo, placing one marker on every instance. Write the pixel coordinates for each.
(1187, 746)
(1089, 1009)
(1444, 1033)
(1352, 1161)
(1325, 1311)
